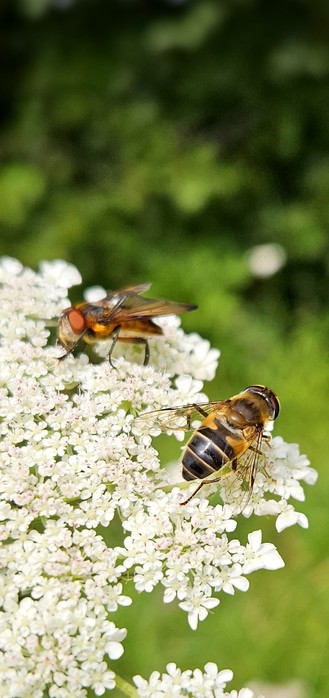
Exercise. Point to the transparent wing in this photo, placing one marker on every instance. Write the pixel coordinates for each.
(128, 291)
(236, 488)
(180, 418)
(109, 309)
(126, 305)
(136, 307)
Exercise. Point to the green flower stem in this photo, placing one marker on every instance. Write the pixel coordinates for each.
(126, 688)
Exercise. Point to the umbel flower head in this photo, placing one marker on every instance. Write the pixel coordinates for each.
(70, 459)
(210, 683)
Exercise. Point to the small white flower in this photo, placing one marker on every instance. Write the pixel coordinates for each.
(197, 604)
(188, 390)
(99, 677)
(9, 267)
(63, 274)
(260, 555)
(94, 294)
(289, 517)
(147, 577)
(210, 683)
(205, 359)
(229, 579)
(114, 637)
(244, 693)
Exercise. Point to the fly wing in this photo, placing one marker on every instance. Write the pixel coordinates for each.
(137, 307)
(175, 419)
(247, 465)
(107, 309)
(126, 305)
(237, 488)
(127, 291)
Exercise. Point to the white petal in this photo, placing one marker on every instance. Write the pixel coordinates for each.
(255, 539)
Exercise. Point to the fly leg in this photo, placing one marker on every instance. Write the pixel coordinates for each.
(199, 409)
(206, 482)
(115, 335)
(186, 501)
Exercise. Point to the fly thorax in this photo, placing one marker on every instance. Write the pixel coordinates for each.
(244, 412)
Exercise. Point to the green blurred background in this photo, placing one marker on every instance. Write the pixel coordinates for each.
(165, 141)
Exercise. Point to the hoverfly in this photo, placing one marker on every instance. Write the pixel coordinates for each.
(228, 441)
(123, 316)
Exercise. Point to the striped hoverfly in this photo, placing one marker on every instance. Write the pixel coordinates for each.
(229, 439)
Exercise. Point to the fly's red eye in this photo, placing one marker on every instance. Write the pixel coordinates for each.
(76, 321)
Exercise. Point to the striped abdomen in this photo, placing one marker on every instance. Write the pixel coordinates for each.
(211, 447)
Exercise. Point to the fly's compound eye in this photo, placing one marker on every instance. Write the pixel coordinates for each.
(275, 403)
(76, 320)
(267, 395)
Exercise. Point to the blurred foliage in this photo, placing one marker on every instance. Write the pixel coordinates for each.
(162, 141)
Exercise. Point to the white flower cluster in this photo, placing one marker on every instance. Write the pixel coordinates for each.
(69, 461)
(211, 683)
(190, 553)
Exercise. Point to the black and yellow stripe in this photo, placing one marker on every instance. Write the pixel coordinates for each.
(207, 451)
